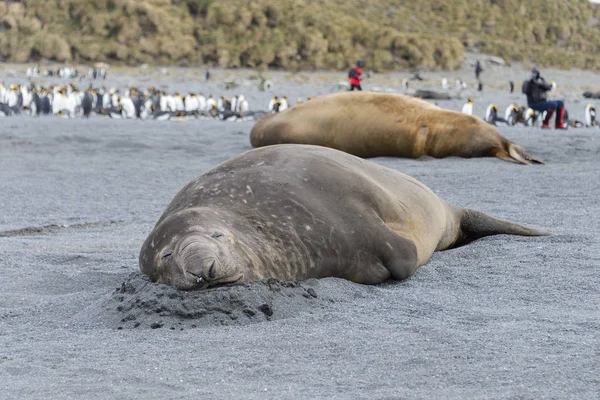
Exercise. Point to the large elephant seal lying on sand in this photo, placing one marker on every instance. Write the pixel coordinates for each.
(380, 124)
(295, 212)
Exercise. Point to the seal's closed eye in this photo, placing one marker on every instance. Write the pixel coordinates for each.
(216, 235)
(167, 254)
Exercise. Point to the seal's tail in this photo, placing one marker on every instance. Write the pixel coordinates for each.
(475, 225)
(514, 153)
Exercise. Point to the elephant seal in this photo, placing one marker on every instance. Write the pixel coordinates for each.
(382, 124)
(294, 212)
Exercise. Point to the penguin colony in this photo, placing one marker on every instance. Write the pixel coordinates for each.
(151, 104)
(66, 72)
(515, 114)
(70, 102)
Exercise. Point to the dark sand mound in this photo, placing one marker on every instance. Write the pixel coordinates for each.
(140, 303)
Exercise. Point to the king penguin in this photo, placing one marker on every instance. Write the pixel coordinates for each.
(590, 116)
(468, 107)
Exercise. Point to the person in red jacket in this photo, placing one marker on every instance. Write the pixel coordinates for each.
(355, 75)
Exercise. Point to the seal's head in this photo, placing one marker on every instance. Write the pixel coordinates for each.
(192, 250)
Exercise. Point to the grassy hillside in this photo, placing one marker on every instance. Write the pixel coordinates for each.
(294, 34)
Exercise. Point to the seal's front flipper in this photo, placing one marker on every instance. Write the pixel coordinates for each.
(398, 255)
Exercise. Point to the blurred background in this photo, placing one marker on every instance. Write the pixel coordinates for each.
(300, 35)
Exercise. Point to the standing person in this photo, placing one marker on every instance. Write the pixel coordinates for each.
(478, 69)
(355, 75)
(536, 88)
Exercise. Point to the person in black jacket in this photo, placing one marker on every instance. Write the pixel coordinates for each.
(536, 88)
(478, 69)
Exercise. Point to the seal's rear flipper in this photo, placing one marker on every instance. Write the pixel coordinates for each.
(514, 153)
(475, 225)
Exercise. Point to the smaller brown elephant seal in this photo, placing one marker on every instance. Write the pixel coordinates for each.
(369, 124)
(295, 212)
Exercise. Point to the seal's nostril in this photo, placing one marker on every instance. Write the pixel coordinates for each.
(211, 271)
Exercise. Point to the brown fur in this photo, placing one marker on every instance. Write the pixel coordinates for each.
(377, 124)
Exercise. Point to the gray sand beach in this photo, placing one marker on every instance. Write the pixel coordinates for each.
(504, 317)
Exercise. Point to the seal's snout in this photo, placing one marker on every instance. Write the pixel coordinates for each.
(211, 270)
(195, 257)
(199, 276)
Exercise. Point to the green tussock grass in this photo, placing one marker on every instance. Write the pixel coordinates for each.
(295, 35)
